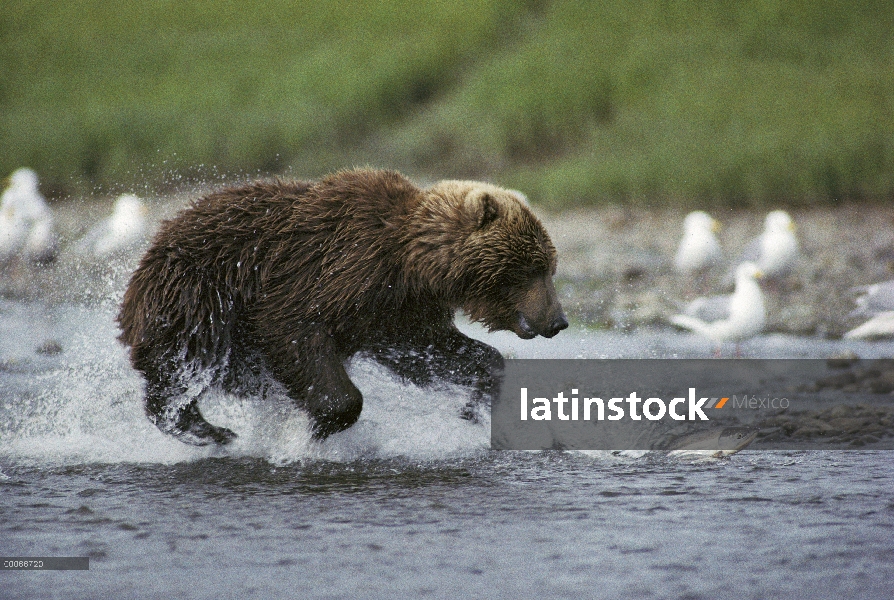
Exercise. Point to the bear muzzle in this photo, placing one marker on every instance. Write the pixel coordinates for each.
(539, 311)
(558, 324)
(527, 331)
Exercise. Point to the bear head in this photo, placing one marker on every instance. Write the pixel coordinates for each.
(486, 251)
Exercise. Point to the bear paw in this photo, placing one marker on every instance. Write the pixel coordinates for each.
(202, 434)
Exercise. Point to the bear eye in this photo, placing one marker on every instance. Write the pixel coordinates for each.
(530, 275)
(534, 271)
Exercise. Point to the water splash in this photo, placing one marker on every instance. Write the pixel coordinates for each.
(85, 406)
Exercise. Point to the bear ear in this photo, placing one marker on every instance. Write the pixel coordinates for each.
(486, 209)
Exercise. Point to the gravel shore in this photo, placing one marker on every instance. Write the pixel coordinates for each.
(616, 265)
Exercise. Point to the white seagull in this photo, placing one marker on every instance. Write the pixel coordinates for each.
(125, 228)
(879, 326)
(699, 248)
(728, 318)
(775, 251)
(26, 223)
(875, 301)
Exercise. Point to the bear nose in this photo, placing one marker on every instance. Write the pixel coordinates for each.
(557, 325)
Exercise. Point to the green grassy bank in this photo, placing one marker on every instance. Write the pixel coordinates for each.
(574, 102)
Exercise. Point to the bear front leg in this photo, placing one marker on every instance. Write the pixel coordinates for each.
(312, 370)
(447, 355)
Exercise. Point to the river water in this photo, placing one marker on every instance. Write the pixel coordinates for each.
(410, 502)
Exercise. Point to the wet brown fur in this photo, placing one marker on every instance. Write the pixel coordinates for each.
(296, 277)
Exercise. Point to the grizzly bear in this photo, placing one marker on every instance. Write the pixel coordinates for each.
(287, 280)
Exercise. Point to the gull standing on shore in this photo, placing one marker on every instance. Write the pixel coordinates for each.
(125, 228)
(699, 249)
(775, 251)
(26, 222)
(734, 318)
(875, 301)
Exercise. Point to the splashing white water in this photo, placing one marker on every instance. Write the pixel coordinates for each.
(85, 405)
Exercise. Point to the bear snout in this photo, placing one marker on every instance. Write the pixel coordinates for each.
(557, 325)
(540, 312)
(526, 330)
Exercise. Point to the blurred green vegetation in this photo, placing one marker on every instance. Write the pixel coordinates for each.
(575, 103)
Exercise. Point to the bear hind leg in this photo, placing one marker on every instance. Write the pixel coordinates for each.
(333, 401)
(313, 372)
(176, 414)
(336, 412)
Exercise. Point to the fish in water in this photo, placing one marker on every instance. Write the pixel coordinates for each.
(717, 442)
